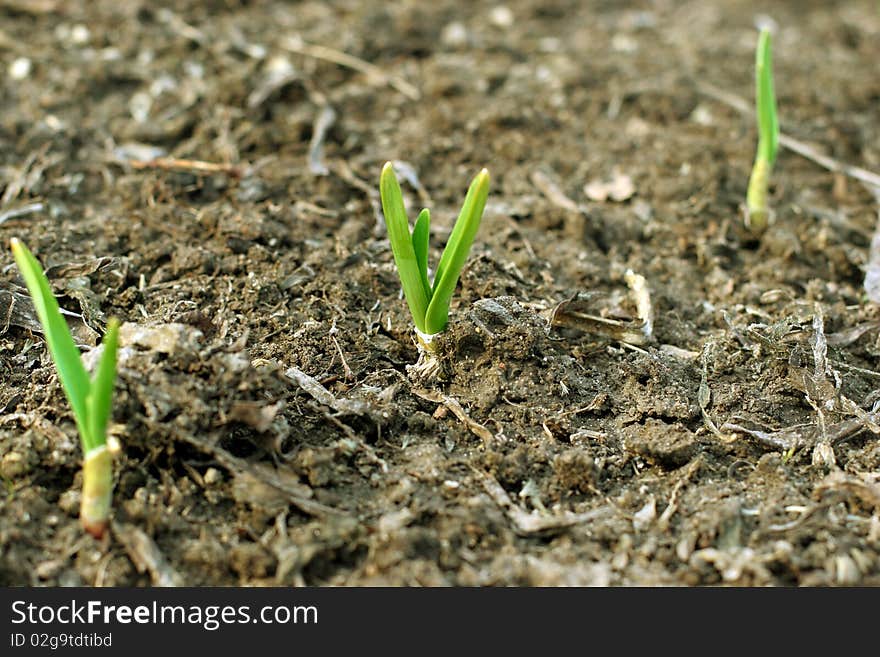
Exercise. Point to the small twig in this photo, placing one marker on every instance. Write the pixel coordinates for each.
(452, 404)
(349, 375)
(839, 432)
(672, 506)
(146, 555)
(343, 170)
(300, 47)
(324, 396)
(323, 122)
(368, 450)
(176, 164)
(296, 494)
(552, 191)
(778, 440)
(529, 524)
(868, 420)
(408, 173)
(788, 439)
(24, 178)
(181, 27)
(21, 211)
(808, 151)
(568, 314)
(800, 520)
(853, 368)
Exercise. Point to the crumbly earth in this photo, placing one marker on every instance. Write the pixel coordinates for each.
(270, 430)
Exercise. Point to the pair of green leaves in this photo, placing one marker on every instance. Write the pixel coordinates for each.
(90, 399)
(429, 303)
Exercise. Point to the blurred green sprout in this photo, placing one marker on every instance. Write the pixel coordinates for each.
(89, 398)
(758, 213)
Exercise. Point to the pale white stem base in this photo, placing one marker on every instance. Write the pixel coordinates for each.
(428, 367)
(97, 490)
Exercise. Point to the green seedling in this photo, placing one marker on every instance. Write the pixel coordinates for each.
(90, 398)
(758, 213)
(429, 301)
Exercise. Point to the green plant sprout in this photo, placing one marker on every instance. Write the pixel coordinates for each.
(758, 213)
(429, 301)
(90, 399)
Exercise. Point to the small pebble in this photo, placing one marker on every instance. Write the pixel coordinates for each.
(20, 68)
(48, 569)
(846, 571)
(624, 43)
(213, 476)
(69, 502)
(14, 465)
(501, 16)
(455, 35)
(139, 106)
(79, 34)
(702, 115)
(54, 123)
(643, 518)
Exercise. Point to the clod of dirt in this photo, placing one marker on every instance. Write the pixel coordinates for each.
(263, 498)
(667, 445)
(500, 326)
(164, 338)
(575, 470)
(513, 468)
(319, 466)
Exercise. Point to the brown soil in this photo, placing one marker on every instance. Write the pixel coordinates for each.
(270, 430)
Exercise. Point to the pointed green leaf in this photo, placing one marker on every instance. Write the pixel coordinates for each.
(402, 245)
(420, 238)
(768, 121)
(99, 400)
(456, 252)
(73, 375)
